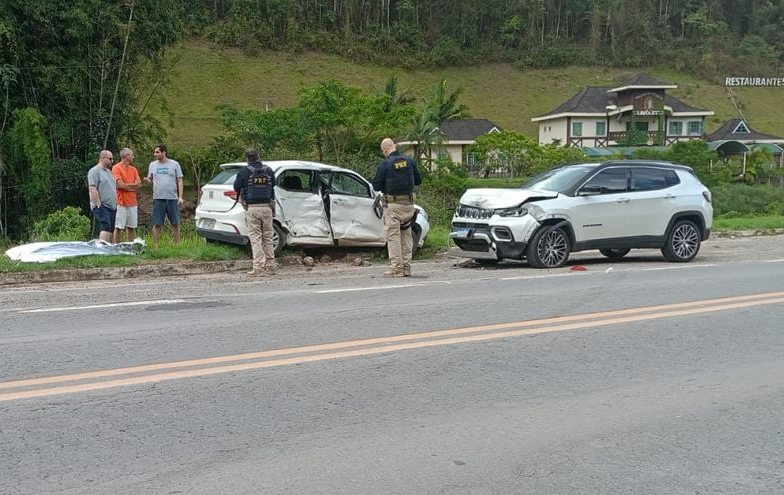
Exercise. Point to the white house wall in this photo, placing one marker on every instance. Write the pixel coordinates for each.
(552, 129)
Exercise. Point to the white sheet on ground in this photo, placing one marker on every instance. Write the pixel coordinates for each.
(43, 252)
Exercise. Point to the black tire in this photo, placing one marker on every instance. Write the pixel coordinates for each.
(279, 239)
(415, 233)
(615, 254)
(549, 248)
(683, 242)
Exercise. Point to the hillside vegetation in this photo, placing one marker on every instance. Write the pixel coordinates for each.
(207, 75)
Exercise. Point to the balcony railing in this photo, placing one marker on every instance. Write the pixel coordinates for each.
(618, 135)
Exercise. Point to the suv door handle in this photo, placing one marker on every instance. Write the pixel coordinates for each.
(669, 196)
(623, 200)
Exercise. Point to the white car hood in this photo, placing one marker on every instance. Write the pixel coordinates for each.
(501, 198)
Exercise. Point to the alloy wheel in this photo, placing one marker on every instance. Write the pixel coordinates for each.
(553, 248)
(685, 241)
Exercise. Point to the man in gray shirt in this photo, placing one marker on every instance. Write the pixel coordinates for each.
(103, 194)
(165, 175)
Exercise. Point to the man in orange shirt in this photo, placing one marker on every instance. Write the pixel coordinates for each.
(128, 182)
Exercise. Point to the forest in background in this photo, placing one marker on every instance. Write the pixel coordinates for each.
(76, 77)
(708, 36)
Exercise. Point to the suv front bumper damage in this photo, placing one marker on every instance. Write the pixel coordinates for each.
(498, 238)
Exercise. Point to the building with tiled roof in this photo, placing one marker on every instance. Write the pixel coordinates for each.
(603, 116)
(455, 136)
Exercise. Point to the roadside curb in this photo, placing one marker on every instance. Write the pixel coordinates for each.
(746, 233)
(120, 272)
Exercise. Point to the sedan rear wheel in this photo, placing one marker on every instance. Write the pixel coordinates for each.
(548, 248)
(278, 239)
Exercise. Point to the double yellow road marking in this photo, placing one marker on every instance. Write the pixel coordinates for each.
(138, 375)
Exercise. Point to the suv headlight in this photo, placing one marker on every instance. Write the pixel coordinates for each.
(515, 211)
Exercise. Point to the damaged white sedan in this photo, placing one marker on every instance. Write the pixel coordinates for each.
(613, 207)
(317, 205)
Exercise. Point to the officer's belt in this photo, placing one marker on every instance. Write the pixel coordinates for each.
(405, 199)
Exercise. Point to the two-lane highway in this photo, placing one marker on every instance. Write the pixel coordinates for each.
(647, 378)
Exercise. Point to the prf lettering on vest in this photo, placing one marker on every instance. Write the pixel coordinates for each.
(261, 181)
(401, 164)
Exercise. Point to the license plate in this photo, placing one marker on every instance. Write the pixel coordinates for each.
(462, 232)
(207, 223)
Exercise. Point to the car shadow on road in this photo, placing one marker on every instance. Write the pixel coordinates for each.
(598, 261)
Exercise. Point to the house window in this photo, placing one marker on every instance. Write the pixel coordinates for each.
(640, 126)
(601, 128)
(741, 128)
(471, 159)
(577, 129)
(695, 127)
(676, 128)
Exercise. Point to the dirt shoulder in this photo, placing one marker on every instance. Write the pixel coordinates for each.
(737, 246)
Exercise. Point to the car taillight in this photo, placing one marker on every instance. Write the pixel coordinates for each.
(707, 196)
(232, 194)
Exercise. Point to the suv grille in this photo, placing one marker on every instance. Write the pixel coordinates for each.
(473, 212)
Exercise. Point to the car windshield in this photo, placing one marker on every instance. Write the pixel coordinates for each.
(558, 179)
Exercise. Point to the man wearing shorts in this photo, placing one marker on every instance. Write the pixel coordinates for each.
(165, 175)
(128, 182)
(103, 194)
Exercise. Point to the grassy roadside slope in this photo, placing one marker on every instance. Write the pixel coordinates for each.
(207, 75)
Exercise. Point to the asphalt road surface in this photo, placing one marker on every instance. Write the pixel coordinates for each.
(633, 377)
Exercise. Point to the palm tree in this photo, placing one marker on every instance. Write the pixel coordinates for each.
(392, 95)
(443, 105)
(424, 134)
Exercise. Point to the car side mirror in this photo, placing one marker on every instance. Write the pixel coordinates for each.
(589, 191)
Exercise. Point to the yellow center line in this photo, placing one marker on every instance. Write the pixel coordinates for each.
(367, 342)
(380, 350)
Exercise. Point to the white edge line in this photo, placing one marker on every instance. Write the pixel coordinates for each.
(333, 291)
(101, 306)
(774, 261)
(675, 267)
(569, 274)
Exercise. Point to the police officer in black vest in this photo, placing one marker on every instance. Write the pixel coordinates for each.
(255, 185)
(396, 177)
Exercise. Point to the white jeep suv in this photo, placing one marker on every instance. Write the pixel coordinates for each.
(612, 206)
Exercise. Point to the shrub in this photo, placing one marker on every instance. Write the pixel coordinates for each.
(63, 225)
(743, 200)
(441, 190)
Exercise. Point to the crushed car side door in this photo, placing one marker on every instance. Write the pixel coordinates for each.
(354, 213)
(302, 211)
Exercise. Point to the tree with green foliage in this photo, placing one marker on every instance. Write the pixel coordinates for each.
(83, 67)
(333, 123)
(444, 105)
(703, 35)
(519, 155)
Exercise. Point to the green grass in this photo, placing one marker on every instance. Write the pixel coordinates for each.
(192, 248)
(437, 241)
(499, 92)
(749, 223)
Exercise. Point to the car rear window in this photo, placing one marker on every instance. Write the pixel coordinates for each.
(652, 179)
(225, 176)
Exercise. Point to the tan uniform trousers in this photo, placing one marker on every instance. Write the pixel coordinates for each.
(399, 242)
(260, 230)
